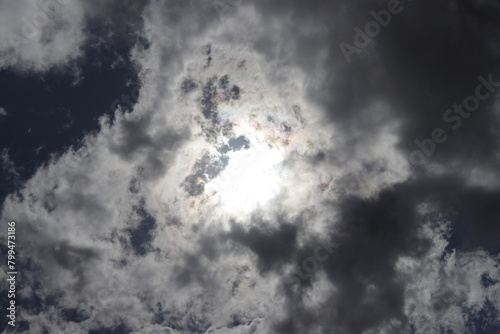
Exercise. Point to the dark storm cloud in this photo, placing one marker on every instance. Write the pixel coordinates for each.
(431, 56)
(372, 235)
(427, 58)
(433, 61)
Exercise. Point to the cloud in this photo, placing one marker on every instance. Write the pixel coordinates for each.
(8, 166)
(40, 35)
(131, 232)
(56, 34)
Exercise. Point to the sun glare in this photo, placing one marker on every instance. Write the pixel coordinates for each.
(249, 181)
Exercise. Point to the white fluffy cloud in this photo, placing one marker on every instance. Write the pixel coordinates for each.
(38, 35)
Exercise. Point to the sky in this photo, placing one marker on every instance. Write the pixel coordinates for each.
(250, 166)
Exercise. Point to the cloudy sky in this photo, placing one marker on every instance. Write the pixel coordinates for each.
(251, 166)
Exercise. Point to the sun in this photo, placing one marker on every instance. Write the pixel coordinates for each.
(250, 180)
(248, 134)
